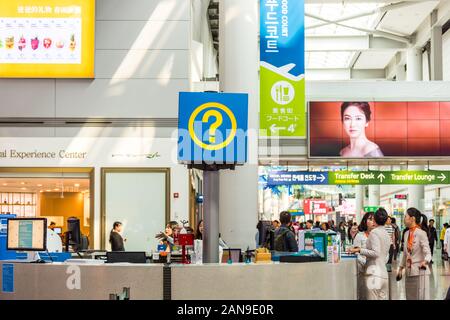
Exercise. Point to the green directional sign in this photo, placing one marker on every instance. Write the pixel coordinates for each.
(371, 209)
(388, 177)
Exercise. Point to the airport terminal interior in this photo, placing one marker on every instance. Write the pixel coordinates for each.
(148, 147)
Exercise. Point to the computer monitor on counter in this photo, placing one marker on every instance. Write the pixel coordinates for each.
(27, 234)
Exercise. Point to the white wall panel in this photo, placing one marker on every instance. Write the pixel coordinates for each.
(135, 132)
(119, 98)
(446, 56)
(145, 35)
(27, 98)
(142, 64)
(378, 90)
(26, 132)
(143, 10)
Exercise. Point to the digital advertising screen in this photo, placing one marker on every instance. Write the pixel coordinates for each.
(364, 129)
(47, 38)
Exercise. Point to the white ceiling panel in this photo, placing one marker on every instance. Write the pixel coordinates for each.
(328, 59)
(405, 21)
(374, 59)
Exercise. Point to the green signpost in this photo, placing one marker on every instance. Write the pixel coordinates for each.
(371, 209)
(388, 177)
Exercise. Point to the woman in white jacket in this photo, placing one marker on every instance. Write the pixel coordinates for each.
(376, 279)
(360, 240)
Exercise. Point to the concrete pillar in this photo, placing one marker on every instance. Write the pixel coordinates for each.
(374, 195)
(211, 217)
(414, 64)
(238, 72)
(359, 202)
(416, 193)
(400, 72)
(436, 54)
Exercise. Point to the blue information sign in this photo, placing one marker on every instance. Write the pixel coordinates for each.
(297, 178)
(282, 68)
(8, 278)
(212, 128)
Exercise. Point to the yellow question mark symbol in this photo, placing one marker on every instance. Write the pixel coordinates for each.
(215, 125)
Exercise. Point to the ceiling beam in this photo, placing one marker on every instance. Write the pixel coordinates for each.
(344, 74)
(352, 43)
(368, 31)
(384, 9)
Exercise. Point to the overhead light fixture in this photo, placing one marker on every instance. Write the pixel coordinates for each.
(56, 189)
(48, 190)
(23, 188)
(22, 183)
(39, 185)
(5, 184)
(76, 184)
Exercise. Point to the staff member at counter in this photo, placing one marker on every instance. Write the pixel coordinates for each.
(115, 238)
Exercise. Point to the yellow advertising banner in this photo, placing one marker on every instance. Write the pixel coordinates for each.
(47, 38)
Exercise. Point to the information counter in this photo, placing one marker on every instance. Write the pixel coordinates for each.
(275, 281)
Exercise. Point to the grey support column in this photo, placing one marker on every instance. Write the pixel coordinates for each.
(374, 195)
(414, 64)
(359, 202)
(211, 217)
(436, 54)
(416, 193)
(239, 65)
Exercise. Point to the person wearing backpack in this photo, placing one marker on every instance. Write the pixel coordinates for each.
(284, 237)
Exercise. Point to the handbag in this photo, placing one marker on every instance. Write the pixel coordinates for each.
(445, 256)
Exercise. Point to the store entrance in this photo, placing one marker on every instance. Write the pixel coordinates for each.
(54, 194)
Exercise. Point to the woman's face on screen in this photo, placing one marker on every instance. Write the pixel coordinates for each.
(355, 122)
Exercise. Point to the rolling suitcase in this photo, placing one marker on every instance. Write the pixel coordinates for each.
(421, 288)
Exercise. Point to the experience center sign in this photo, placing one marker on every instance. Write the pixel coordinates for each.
(359, 177)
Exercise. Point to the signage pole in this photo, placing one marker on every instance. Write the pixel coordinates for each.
(211, 194)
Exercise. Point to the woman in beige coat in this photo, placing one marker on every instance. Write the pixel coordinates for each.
(375, 277)
(416, 256)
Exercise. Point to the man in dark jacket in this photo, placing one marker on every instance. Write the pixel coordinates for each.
(432, 237)
(284, 237)
(115, 238)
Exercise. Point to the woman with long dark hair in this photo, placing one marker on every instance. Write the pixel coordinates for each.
(360, 240)
(199, 231)
(355, 118)
(416, 256)
(376, 281)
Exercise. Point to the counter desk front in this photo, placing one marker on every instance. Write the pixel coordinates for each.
(275, 281)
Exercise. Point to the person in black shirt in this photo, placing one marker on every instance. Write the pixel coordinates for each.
(432, 237)
(115, 238)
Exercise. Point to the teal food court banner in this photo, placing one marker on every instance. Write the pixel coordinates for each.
(358, 177)
(212, 128)
(282, 68)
